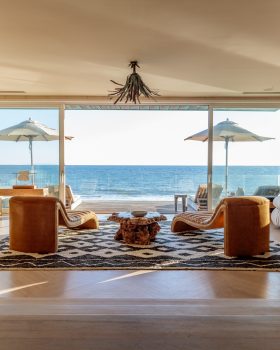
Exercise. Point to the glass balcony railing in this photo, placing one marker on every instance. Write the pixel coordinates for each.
(9, 176)
(144, 182)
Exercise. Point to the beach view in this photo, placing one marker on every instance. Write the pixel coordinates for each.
(125, 159)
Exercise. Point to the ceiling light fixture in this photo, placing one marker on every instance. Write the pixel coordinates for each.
(133, 88)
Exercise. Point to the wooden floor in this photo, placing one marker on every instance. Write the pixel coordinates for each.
(139, 309)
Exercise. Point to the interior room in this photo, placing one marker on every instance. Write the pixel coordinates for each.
(139, 174)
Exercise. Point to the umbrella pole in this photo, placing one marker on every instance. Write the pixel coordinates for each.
(31, 159)
(226, 170)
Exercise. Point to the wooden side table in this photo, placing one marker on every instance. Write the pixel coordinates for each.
(19, 191)
(23, 192)
(137, 230)
(184, 201)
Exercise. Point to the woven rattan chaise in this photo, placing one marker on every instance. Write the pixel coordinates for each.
(200, 200)
(34, 222)
(246, 223)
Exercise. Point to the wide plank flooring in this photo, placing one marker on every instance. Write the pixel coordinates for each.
(139, 309)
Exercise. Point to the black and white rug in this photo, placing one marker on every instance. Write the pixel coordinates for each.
(92, 249)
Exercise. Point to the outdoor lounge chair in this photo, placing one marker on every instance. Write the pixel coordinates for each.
(246, 223)
(71, 200)
(265, 191)
(34, 223)
(269, 192)
(23, 175)
(200, 201)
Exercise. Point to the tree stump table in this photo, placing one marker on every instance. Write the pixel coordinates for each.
(137, 230)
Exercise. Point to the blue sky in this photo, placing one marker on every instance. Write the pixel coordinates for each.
(141, 137)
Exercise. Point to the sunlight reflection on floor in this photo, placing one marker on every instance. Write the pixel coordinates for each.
(9, 290)
(128, 275)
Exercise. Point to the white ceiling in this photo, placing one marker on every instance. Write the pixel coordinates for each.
(184, 47)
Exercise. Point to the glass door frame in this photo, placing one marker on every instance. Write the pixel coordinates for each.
(210, 157)
(60, 106)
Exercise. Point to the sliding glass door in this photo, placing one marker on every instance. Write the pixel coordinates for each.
(246, 151)
(145, 155)
(135, 156)
(29, 140)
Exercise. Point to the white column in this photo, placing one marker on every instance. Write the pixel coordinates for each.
(210, 156)
(61, 154)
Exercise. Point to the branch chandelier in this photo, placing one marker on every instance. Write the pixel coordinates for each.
(133, 88)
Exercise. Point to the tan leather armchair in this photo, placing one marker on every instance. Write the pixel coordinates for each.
(34, 222)
(246, 223)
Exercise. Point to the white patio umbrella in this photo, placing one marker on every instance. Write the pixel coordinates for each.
(228, 131)
(30, 130)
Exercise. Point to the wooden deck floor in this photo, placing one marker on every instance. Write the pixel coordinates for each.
(107, 207)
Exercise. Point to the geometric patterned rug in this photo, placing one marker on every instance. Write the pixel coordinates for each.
(97, 250)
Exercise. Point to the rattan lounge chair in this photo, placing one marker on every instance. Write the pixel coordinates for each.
(200, 201)
(34, 222)
(71, 200)
(246, 223)
(23, 175)
(269, 192)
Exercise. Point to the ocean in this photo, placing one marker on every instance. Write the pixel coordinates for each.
(121, 182)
